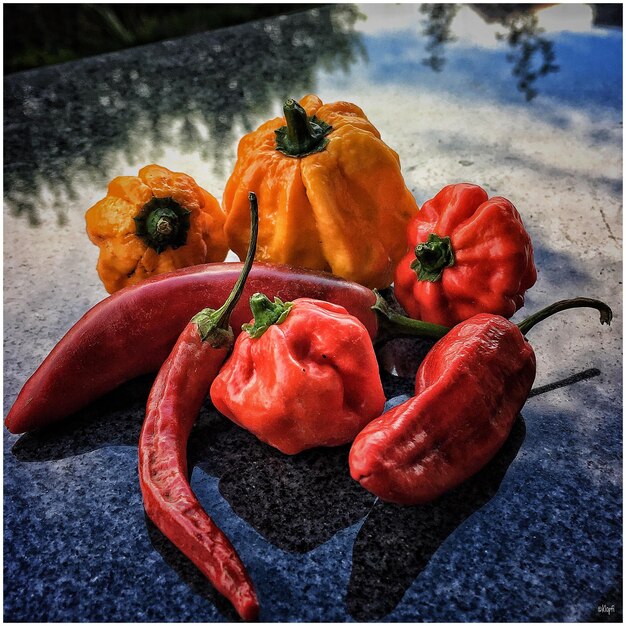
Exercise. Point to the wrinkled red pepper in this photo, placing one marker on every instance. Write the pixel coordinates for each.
(468, 254)
(178, 392)
(132, 332)
(303, 375)
(468, 391)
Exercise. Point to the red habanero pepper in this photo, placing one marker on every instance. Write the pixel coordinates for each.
(131, 332)
(468, 391)
(180, 387)
(303, 375)
(469, 254)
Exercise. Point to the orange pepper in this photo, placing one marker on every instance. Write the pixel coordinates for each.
(331, 193)
(156, 222)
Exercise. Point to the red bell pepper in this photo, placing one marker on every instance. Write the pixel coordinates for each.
(468, 255)
(303, 375)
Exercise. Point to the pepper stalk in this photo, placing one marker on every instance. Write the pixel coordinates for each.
(606, 314)
(266, 313)
(432, 257)
(393, 325)
(302, 135)
(163, 223)
(214, 325)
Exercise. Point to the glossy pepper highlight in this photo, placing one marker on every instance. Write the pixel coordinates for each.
(173, 406)
(331, 193)
(468, 391)
(303, 375)
(152, 223)
(468, 254)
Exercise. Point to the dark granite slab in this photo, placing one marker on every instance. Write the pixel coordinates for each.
(537, 534)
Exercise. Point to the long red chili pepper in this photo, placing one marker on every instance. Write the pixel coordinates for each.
(468, 392)
(180, 388)
(131, 332)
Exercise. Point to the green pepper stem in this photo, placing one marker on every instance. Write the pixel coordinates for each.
(213, 324)
(266, 313)
(606, 315)
(392, 325)
(299, 130)
(227, 308)
(164, 226)
(303, 135)
(162, 223)
(432, 257)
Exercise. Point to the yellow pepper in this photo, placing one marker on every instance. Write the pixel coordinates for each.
(331, 194)
(156, 222)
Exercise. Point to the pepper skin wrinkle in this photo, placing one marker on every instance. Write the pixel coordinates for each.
(134, 244)
(343, 207)
(310, 380)
(175, 400)
(131, 332)
(486, 265)
(469, 390)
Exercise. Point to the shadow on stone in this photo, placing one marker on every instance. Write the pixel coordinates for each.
(396, 542)
(592, 372)
(295, 502)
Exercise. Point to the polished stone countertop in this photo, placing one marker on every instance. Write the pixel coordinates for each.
(528, 107)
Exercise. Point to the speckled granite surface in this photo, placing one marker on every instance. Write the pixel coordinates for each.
(535, 536)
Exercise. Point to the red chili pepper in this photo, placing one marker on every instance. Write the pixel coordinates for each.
(180, 387)
(303, 375)
(468, 392)
(469, 255)
(131, 332)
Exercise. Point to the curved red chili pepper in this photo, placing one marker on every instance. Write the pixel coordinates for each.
(468, 392)
(180, 387)
(131, 332)
(175, 400)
